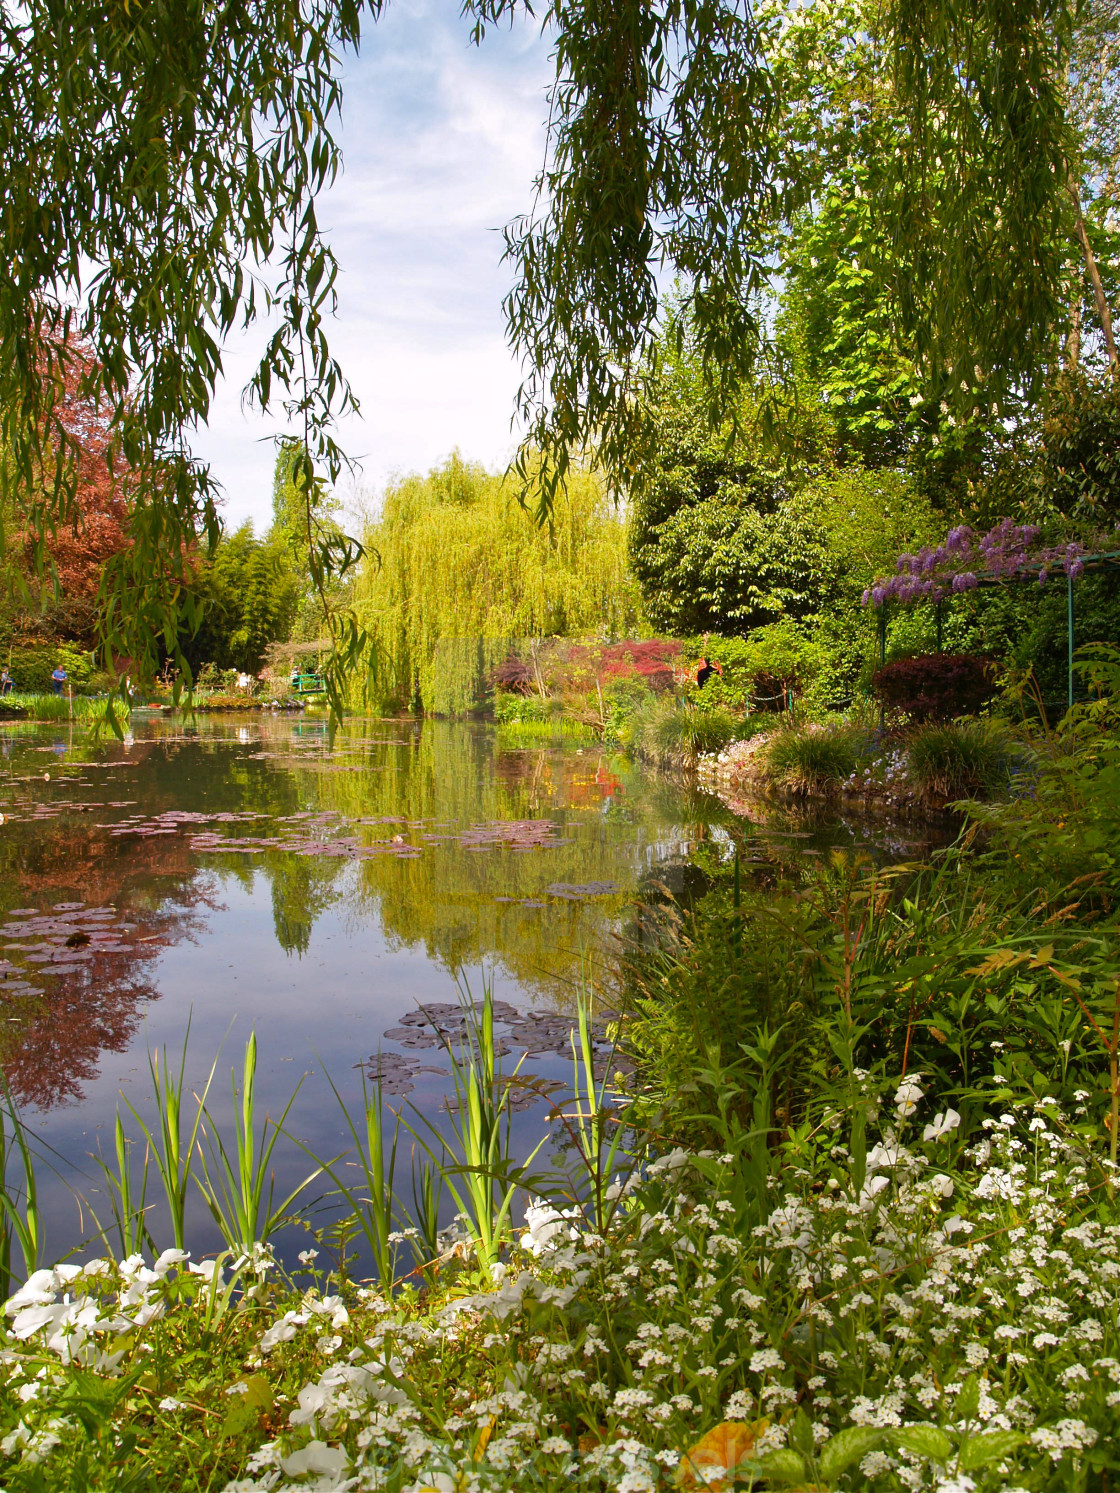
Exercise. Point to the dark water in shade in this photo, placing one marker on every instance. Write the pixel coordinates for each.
(256, 873)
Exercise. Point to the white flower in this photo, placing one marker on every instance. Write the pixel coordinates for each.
(34, 1318)
(881, 1156)
(307, 1255)
(37, 1290)
(282, 1331)
(316, 1457)
(546, 1226)
(871, 1190)
(169, 1402)
(672, 1162)
(168, 1258)
(207, 1269)
(942, 1185)
(908, 1097)
(943, 1125)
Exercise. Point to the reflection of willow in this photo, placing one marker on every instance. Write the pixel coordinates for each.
(446, 899)
(50, 1044)
(302, 888)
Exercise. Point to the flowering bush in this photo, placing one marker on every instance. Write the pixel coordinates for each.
(1008, 550)
(948, 1320)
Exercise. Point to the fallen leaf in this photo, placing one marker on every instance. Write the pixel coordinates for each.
(723, 1447)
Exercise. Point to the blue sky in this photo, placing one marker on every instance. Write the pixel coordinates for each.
(441, 143)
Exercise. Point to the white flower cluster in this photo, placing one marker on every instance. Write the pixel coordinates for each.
(77, 1310)
(961, 1305)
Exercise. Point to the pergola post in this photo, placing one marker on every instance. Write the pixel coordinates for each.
(1069, 637)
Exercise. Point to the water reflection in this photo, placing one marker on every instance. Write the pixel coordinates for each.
(315, 886)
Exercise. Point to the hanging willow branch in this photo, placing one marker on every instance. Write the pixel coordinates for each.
(156, 157)
(667, 159)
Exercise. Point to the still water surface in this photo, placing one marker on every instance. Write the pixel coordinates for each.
(248, 873)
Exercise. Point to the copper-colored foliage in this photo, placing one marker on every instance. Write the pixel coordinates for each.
(73, 976)
(723, 1447)
(98, 528)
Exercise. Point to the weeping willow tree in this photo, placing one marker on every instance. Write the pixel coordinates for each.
(456, 572)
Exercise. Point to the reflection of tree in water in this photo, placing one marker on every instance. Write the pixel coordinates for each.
(80, 1015)
(302, 889)
(51, 1041)
(486, 902)
(466, 906)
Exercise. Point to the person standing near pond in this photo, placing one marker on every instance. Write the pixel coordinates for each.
(7, 683)
(58, 679)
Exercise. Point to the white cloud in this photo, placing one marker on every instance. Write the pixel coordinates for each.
(441, 143)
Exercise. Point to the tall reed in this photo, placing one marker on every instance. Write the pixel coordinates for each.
(166, 1147)
(235, 1188)
(478, 1166)
(129, 1208)
(20, 1219)
(592, 1122)
(373, 1214)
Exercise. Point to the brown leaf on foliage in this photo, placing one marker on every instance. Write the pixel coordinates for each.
(723, 1447)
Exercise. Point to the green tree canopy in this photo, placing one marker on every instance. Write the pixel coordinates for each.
(163, 162)
(725, 538)
(456, 569)
(251, 592)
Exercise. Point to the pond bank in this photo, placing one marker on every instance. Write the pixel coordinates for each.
(831, 1068)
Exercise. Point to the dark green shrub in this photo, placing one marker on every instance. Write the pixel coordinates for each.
(516, 708)
(31, 667)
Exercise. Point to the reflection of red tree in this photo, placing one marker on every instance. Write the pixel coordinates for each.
(591, 788)
(95, 1007)
(98, 528)
(79, 1016)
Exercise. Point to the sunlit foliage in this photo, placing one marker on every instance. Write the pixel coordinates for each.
(456, 568)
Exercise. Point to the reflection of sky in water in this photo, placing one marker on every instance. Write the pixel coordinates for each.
(320, 953)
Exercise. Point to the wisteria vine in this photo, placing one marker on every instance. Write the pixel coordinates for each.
(1009, 550)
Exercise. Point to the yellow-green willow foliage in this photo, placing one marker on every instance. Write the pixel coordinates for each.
(457, 571)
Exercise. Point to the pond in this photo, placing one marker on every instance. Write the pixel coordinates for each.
(332, 892)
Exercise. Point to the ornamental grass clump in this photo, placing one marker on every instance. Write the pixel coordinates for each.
(963, 758)
(673, 735)
(815, 759)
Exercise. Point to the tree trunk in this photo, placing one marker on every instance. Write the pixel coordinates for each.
(1073, 341)
(1094, 275)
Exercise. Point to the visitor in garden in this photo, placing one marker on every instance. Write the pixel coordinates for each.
(58, 679)
(706, 670)
(7, 683)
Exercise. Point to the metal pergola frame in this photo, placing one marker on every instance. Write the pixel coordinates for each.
(1108, 561)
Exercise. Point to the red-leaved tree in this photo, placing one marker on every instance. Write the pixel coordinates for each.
(60, 596)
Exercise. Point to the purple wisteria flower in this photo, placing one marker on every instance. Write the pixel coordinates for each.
(1009, 550)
